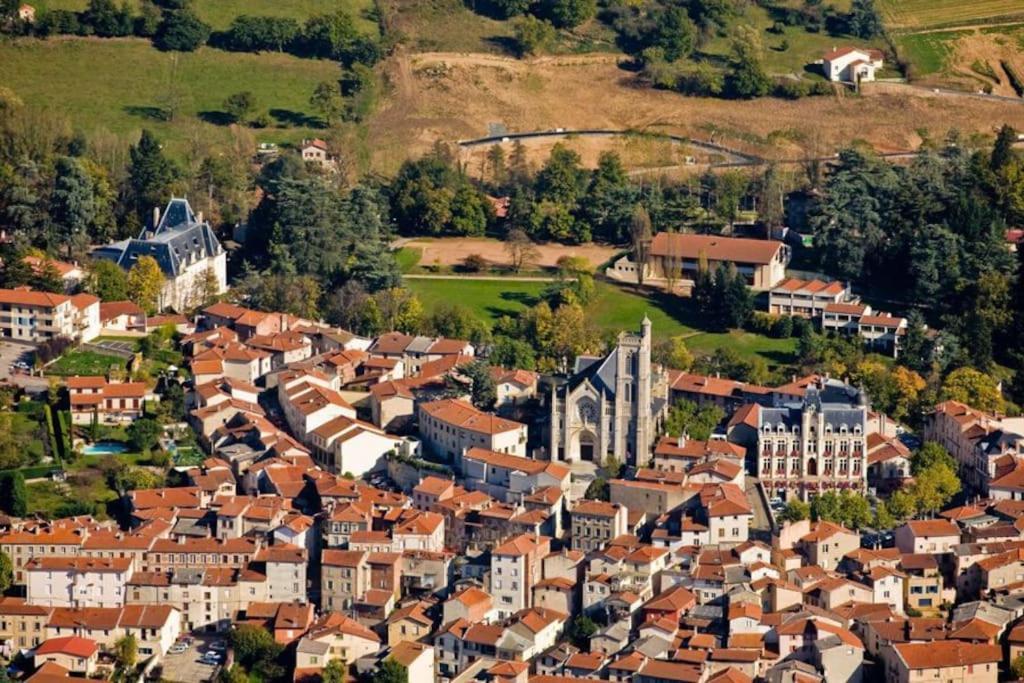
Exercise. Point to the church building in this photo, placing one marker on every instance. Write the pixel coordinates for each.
(610, 406)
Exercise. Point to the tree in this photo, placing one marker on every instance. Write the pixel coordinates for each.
(697, 422)
(1017, 666)
(253, 644)
(975, 388)
(107, 280)
(391, 671)
(864, 20)
(6, 572)
(150, 174)
(47, 278)
(580, 631)
(71, 205)
(929, 455)
(240, 105)
(520, 249)
(335, 672)
(13, 494)
(1002, 150)
(145, 283)
(934, 487)
(569, 13)
(747, 78)
(126, 650)
(641, 236)
(672, 353)
(181, 31)
(884, 519)
(326, 101)
(598, 490)
(507, 352)
(510, 8)
(483, 392)
(796, 510)
(143, 434)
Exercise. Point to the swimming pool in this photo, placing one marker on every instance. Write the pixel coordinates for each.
(105, 448)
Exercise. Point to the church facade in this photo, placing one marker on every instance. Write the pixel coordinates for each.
(610, 406)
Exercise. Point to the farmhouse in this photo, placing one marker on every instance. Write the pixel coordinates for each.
(852, 65)
(188, 252)
(675, 258)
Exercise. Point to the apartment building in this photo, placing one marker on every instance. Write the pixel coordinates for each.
(945, 660)
(31, 316)
(805, 298)
(976, 440)
(595, 522)
(77, 581)
(879, 330)
(509, 478)
(515, 567)
(450, 426)
(207, 598)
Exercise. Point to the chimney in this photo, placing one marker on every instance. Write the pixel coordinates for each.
(156, 216)
(199, 217)
(681, 441)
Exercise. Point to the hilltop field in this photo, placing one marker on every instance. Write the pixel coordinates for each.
(451, 78)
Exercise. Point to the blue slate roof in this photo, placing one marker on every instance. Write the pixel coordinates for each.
(178, 241)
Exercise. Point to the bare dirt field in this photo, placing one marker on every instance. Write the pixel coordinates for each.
(450, 97)
(984, 52)
(452, 251)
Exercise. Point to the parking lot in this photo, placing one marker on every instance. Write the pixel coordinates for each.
(185, 667)
(114, 345)
(11, 352)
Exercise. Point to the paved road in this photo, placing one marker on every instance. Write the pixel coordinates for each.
(11, 352)
(734, 157)
(496, 278)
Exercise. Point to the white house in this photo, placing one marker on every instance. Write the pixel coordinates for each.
(185, 247)
(852, 64)
(346, 445)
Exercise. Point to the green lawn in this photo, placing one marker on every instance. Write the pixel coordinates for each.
(220, 13)
(448, 25)
(928, 52)
(79, 362)
(123, 85)
(613, 309)
(794, 50)
(489, 299)
(408, 258)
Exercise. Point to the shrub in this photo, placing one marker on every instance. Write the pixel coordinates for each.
(474, 263)
(181, 31)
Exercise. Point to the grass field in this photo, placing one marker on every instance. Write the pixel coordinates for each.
(220, 13)
(612, 309)
(75, 76)
(919, 14)
(928, 52)
(80, 362)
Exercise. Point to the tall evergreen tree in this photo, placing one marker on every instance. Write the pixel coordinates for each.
(150, 175)
(72, 209)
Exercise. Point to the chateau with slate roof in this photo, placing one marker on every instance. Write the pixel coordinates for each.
(186, 249)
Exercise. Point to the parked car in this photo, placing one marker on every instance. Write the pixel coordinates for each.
(177, 648)
(218, 646)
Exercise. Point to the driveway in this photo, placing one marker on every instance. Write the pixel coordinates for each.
(13, 351)
(186, 667)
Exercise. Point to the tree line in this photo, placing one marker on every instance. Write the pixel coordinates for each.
(175, 25)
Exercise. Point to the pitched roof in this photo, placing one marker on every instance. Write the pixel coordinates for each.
(946, 653)
(70, 645)
(714, 248)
